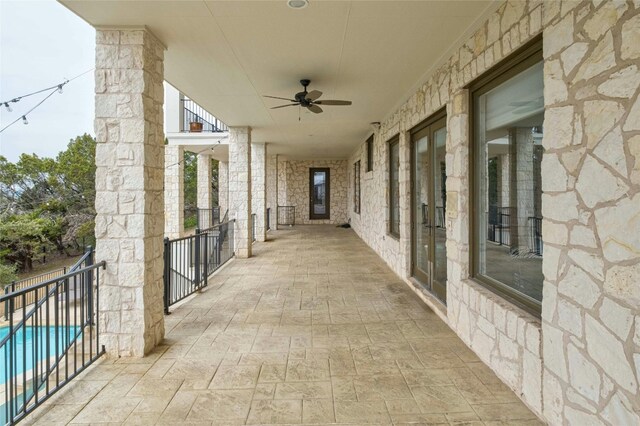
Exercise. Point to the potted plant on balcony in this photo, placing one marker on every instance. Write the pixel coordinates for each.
(195, 126)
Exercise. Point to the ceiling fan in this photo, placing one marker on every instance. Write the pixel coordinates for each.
(309, 100)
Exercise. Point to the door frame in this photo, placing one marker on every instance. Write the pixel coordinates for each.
(327, 214)
(426, 128)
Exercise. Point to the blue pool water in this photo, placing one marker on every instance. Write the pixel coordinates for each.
(24, 343)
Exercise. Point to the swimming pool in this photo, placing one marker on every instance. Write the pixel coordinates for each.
(23, 347)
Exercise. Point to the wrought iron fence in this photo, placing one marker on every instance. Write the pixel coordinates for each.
(286, 215)
(208, 217)
(194, 113)
(535, 231)
(6, 307)
(268, 221)
(51, 340)
(189, 261)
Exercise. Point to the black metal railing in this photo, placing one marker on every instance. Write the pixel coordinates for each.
(535, 231)
(194, 113)
(6, 307)
(286, 215)
(50, 341)
(268, 220)
(208, 217)
(188, 261)
(499, 225)
(254, 218)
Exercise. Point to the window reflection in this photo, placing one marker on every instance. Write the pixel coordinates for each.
(508, 182)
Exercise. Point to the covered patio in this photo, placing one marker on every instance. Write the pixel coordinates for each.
(314, 328)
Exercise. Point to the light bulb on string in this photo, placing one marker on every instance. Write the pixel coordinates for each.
(6, 104)
(60, 88)
(24, 120)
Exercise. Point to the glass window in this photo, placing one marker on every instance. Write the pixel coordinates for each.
(508, 114)
(356, 187)
(394, 187)
(370, 153)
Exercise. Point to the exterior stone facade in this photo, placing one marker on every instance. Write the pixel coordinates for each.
(240, 187)
(272, 189)
(130, 165)
(293, 188)
(173, 191)
(579, 363)
(204, 189)
(259, 189)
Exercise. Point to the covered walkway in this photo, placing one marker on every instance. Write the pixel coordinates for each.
(313, 329)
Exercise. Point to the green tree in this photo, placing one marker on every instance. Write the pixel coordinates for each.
(23, 236)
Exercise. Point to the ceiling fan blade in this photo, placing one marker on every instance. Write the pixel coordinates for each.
(313, 95)
(282, 106)
(314, 108)
(331, 102)
(276, 97)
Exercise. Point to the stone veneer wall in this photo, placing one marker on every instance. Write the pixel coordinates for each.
(589, 334)
(293, 187)
(129, 189)
(272, 189)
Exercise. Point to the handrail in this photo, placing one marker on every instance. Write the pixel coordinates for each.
(41, 302)
(59, 326)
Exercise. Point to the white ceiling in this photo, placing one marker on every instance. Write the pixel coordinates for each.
(226, 55)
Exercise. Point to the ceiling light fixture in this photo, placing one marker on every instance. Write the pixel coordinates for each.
(297, 4)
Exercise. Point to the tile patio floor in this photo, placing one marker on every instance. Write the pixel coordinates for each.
(313, 329)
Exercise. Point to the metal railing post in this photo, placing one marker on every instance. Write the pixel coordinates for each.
(196, 262)
(167, 274)
(89, 284)
(206, 259)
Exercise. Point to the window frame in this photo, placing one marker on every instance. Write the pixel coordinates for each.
(357, 188)
(369, 146)
(391, 144)
(525, 57)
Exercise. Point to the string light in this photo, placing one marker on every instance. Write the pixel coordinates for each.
(53, 89)
(6, 104)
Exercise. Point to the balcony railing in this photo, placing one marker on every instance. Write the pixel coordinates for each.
(286, 215)
(194, 113)
(189, 261)
(51, 339)
(208, 217)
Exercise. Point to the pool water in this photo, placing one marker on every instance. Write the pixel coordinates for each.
(22, 347)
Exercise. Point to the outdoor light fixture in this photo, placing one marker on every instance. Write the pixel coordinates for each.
(24, 119)
(297, 4)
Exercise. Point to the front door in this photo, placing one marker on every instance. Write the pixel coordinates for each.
(319, 193)
(428, 203)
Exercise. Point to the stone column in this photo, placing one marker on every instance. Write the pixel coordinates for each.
(272, 188)
(521, 188)
(173, 191)
(204, 182)
(223, 187)
(240, 187)
(129, 189)
(259, 188)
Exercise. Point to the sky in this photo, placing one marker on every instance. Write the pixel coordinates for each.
(41, 44)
